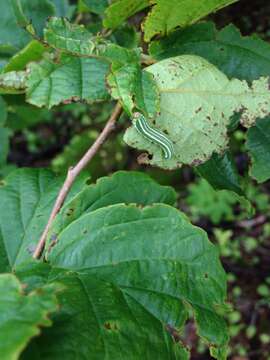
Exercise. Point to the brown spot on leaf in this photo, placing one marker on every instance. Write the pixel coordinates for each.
(144, 158)
(107, 326)
(196, 162)
(111, 326)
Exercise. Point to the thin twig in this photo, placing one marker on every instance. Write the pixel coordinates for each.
(72, 174)
(259, 220)
(78, 18)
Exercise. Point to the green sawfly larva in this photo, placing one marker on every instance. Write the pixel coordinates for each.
(155, 136)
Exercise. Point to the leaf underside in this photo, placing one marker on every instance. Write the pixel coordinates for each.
(197, 101)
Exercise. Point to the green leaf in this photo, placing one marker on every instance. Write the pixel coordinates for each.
(120, 10)
(71, 79)
(33, 13)
(4, 144)
(194, 92)
(3, 112)
(126, 36)
(132, 248)
(22, 316)
(75, 39)
(205, 201)
(121, 187)
(4, 133)
(96, 6)
(166, 15)
(128, 83)
(13, 82)
(131, 258)
(111, 324)
(34, 275)
(31, 52)
(258, 146)
(12, 35)
(27, 197)
(62, 7)
(221, 172)
(135, 88)
(22, 116)
(241, 57)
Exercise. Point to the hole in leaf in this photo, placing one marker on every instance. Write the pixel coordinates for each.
(88, 181)
(69, 212)
(107, 326)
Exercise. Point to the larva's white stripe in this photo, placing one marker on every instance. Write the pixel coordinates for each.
(156, 134)
(153, 135)
(156, 137)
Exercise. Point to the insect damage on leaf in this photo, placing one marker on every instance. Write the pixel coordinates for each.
(196, 102)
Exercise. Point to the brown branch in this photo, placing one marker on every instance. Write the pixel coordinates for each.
(259, 220)
(78, 18)
(72, 174)
(147, 60)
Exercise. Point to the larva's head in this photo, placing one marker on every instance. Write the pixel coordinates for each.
(136, 116)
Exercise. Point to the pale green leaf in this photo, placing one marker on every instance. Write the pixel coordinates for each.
(258, 145)
(71, 79)
(241, 57)
(22, 316)
(120, 10)
(145, 252)
(166, 15)
(197, 101)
